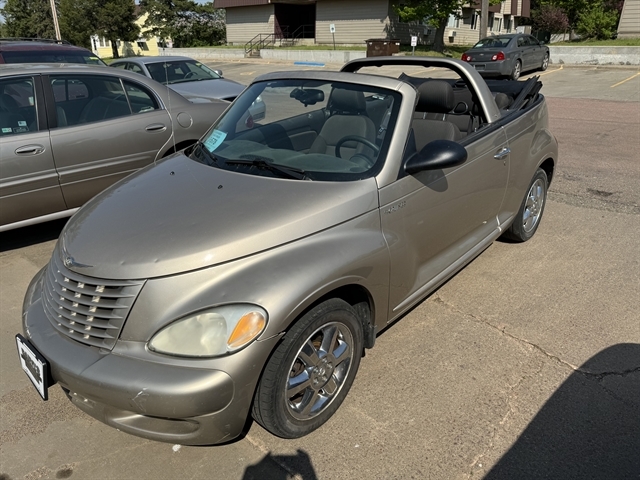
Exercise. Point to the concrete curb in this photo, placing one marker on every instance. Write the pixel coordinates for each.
(581, 56)
(594, 55)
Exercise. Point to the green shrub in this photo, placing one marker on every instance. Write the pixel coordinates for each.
(598, 23)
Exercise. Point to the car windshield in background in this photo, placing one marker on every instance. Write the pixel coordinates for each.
(50, 56)
(180, 71)
(493, 42)
(312, 130)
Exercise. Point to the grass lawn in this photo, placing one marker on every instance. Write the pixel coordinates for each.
(618, 42)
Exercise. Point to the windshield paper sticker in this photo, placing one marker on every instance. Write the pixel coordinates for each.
(214, 140)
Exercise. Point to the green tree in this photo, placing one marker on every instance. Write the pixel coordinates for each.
(185, 22)
(28, 18)
(598, 22)
(115, 20)
(77, 21)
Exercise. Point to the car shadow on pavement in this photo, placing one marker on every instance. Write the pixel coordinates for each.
(589, 428)
(31, 235)
(282, 467)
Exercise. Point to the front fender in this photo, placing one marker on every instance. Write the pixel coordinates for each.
(284, 280)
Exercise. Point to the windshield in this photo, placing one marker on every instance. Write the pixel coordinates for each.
(50, 56)
(180, 71)
(493, 42)
(309, 130)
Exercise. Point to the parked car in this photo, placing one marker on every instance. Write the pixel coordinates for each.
(38, 50)
(69, 131)
(190, 78)
(508, 55)
(263, 261)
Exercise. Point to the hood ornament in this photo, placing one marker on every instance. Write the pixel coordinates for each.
(69, 261)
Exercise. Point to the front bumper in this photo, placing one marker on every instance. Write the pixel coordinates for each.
(183, 401)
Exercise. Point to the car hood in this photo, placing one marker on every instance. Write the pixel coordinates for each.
(181, 215)
(219, 88)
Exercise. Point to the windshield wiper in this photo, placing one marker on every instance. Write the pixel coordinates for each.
(207, 157)
(290, 172)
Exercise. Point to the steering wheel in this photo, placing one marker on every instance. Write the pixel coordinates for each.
(356, 138)
(189, 75)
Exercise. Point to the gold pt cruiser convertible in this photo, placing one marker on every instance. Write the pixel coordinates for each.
(247, 274)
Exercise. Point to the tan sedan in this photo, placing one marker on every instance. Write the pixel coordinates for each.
(67, 132)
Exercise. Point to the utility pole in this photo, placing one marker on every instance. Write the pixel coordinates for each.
(484, 18)
(54, 13)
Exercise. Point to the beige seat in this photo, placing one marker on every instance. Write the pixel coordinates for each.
(348, 116)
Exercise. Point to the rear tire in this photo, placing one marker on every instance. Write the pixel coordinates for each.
(517, 70)
(528, 217)
(310, 373)
(545, 62)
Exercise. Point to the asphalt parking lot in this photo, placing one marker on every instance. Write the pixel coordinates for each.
(524, 365)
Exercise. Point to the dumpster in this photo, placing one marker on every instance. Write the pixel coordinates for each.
(380, 47)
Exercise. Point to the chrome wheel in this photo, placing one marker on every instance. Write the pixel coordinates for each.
(545, 62)
(319, 370)
(515, 75)
(530, 212)
(311, 371)
(533, 206)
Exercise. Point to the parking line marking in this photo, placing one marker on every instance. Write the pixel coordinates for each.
(625, 80)
(552, 71)
(247, 73)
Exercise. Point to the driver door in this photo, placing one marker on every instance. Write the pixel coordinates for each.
(433, 218)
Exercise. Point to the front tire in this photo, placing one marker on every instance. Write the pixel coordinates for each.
(517, 70)
(311, 371)
(528, 217)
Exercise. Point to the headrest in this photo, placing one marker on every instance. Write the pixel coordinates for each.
(436, 96)
(351, 101)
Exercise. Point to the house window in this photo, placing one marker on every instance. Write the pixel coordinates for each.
(475, 21)
(492, 22)
(142, 45)
(499, 25)
(453, 22)
(507, 23)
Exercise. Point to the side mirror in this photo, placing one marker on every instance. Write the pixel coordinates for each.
(437, 155)
(219, 72)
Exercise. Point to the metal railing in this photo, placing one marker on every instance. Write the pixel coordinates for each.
(260, 41)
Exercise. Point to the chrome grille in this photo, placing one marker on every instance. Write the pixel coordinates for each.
(88, 310)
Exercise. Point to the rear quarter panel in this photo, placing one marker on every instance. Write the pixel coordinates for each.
(531, 143)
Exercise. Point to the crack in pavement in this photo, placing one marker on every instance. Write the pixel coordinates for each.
(510, 404)
(599, 377)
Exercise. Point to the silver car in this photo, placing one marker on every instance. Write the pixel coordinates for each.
(190, 78)
(263, 261)
(69, 131)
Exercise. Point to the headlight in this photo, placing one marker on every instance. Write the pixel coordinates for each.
(212, 332)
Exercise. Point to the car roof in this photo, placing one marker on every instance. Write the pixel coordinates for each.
(158, 59)
(13, 69)
(23, 44)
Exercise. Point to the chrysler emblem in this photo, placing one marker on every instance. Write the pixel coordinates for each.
(69, 261)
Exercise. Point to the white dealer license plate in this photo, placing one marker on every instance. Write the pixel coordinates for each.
(34, 365)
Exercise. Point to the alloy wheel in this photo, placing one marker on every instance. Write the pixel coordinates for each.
(319, 370)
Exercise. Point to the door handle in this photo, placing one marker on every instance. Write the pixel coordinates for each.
(502, 153)
(30, 150)
(156, 127)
